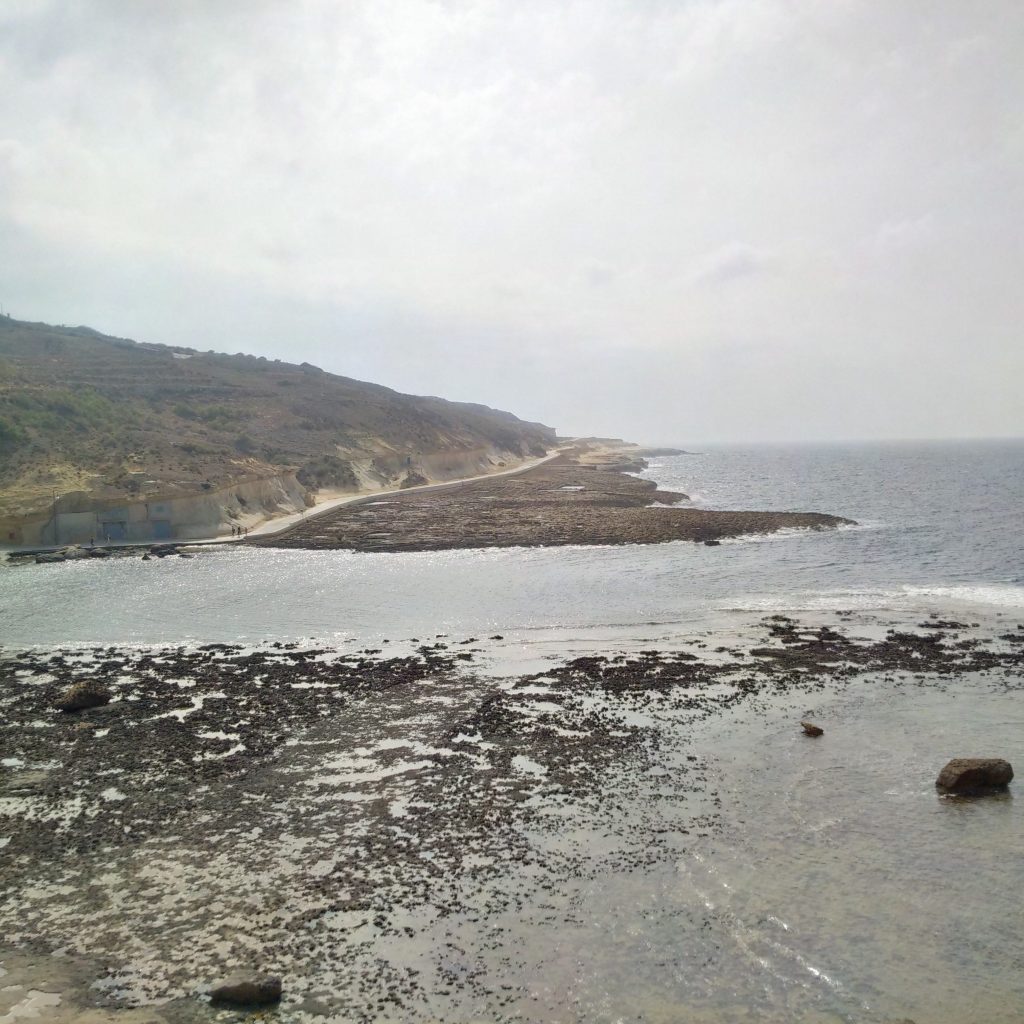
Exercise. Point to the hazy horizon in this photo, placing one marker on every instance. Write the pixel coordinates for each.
(715, 221)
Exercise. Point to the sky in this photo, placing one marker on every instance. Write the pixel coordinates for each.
(676, 222)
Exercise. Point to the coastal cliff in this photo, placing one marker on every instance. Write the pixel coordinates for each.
(104, 436)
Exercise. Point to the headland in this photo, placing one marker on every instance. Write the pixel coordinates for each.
(587, 494)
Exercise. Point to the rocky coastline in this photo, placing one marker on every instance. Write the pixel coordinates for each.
(586, 495)
(326, 815)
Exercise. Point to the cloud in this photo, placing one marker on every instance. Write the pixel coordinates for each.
(910, 232)
(653, 184)
(731, 262)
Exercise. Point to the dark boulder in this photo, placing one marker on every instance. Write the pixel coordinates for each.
(89, 694)
(975, 775)
(248, 990)
(810, 729)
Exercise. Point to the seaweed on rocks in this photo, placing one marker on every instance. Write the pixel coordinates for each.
(376, 827)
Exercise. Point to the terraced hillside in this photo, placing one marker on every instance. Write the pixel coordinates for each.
(114, 420)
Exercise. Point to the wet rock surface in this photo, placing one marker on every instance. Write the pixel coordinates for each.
(973, 775)
(247, 990)
(81, 696)
(560, 502)
(392, 834)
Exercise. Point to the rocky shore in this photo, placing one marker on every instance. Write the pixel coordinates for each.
(582, 497)
(390, 835)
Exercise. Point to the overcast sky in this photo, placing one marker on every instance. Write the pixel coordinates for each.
(674, 221)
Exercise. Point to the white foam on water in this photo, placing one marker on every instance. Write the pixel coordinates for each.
(903, 598)
(1001, 595)
(791, 532)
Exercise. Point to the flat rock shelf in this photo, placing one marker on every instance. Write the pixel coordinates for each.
(565, 501)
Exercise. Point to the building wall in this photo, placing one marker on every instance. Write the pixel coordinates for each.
(194, 517)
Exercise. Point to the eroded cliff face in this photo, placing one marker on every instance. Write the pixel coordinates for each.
(118, 423)
(79, 517)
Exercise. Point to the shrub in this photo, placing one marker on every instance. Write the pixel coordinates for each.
(11, 436)
(327, 471)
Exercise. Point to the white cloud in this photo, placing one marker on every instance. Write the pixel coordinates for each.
(655, 183)
(731, 262)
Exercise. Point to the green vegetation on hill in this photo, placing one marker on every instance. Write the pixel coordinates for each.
(116, 418)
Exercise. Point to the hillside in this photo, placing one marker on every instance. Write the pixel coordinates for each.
(114, 420)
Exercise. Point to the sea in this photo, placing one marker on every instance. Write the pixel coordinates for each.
(939, 526)
(837, 887)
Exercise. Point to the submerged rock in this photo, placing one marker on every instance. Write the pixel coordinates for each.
(66, 554)
(89, 694)
(810, 729)
(975, 775)
(75, 551)
(248, 990)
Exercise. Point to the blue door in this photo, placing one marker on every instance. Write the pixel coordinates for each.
(113, 531)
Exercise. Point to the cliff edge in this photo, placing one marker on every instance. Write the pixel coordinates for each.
(93, 424)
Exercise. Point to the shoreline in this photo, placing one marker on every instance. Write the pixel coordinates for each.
(388, 804)
(583, 494)
(273, 524)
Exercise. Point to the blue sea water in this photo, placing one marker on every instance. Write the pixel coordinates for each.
(942, 520)
(940, 527)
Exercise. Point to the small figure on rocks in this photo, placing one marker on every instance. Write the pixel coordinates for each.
(248, 990)
(810, 729)
(89, 694)
(975, 775)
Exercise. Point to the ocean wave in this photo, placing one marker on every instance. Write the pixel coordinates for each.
(1003, 595)
(903, 598)
(789, 532)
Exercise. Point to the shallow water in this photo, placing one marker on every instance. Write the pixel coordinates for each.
(778, 878)
(787, 880)
(844, 885)
(941, 528)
